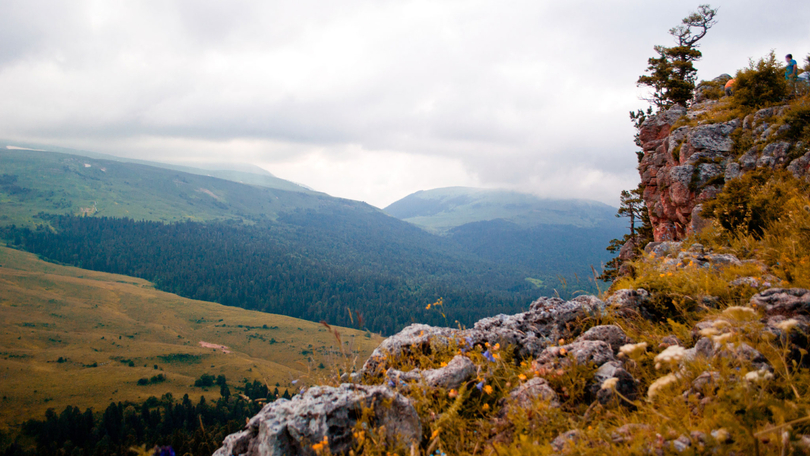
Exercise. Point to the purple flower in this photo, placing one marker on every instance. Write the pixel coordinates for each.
(480, 385)
(391, 383)
(489, 356)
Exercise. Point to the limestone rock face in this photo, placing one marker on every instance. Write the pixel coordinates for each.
(683, 166)
(291, 427)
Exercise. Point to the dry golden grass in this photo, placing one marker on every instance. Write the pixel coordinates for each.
(49, 311)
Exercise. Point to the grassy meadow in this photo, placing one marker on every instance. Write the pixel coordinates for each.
(112, 330)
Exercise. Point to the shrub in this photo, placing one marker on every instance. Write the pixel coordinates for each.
(748, 204)
(760, 84)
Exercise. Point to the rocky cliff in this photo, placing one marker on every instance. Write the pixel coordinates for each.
(690, 153)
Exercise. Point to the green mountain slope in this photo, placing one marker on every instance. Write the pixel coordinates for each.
(34, 182)
(236, 172)
(442, 209)
(548, 237)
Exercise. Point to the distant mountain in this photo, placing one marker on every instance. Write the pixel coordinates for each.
(237, 172)
(443, 209)
(306, 255)
(549, 236)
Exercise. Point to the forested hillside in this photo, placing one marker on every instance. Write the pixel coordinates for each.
(313, 267)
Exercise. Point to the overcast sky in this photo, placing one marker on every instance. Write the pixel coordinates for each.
(369, 100)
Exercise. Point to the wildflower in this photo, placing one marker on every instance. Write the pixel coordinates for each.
(496, 347)
(452, 394)
(758, 376)
(428, 306)
(522, 377)
(671, 356)
(489, 356)
(610, 384)
(391, 383)
(480, 385)
(660, 384)
(320, 445)
(435, 433)
(443, 364)
(561, 342)
(787, 325)
(563, 351)
(488, 389)
(633, 350)
(720, 324)
(485, 407)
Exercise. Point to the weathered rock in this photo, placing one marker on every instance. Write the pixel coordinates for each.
(626, 432)
(566, 439)
(629, 302)
(413, 339)
(663, 249)
(681, 444)
(291, 427)
(456, 372)
(548, 320)
(583, 352)
(625, 384)
(612, 334)
(526, 394)
(784, 301)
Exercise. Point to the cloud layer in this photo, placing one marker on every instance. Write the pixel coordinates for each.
(369, 100)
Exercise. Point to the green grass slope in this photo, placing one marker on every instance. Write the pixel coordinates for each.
(88, 318)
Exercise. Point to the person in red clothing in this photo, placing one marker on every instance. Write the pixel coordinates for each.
(729, 88)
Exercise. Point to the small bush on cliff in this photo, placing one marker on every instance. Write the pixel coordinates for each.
(747, 205)
(760, 84)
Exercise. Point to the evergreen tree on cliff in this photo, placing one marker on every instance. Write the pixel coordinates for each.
(672, 74)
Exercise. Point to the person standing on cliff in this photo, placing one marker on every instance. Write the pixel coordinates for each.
(792, 69)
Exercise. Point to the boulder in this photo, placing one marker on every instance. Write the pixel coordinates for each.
(415, 338)
(611, 334)
(454, 374)
(784, 301)
(291, 427)
(625, 384)
(629, 302)
(526, 394)
(547, 321)
(583, 352)
(566, 439)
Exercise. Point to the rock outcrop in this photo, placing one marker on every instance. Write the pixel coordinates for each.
(687, 160)
(324, 414)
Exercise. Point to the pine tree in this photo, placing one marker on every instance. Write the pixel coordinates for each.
(672, 74)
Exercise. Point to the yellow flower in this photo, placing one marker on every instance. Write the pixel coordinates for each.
(435, 433)
(452, 394)
(563, 351)
(522, 377)
(497, 346)
(428, 306)
(321, 445)
(488, 389)
(485, 407)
